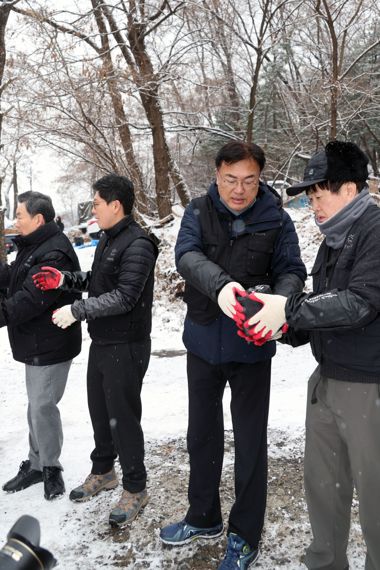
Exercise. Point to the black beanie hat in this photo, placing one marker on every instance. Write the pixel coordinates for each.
(345, 162)
(339, 162)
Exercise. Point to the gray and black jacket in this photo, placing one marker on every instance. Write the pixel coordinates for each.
(341, 318)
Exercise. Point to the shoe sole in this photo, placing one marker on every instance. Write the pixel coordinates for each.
(52, 497)
(106, 487)
(22, 488)
(116, 524)
(193, 538)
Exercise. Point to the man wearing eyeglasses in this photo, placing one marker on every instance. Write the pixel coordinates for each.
(234, 238)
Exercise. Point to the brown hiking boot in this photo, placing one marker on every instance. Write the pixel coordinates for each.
(93, 485)
(128, 507)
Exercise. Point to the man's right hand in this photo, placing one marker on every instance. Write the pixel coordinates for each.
(48, 278)
(227, 298)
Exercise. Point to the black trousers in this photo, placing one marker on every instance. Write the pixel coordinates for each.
(250, 388)
(114, 380)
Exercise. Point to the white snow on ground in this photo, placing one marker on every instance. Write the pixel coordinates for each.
(77, 534)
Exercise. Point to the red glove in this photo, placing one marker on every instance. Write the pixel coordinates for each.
(259, 340)
(49, 278)
(247, 305)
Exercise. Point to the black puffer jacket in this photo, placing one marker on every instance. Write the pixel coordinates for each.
(119, 285)
(341, 318)
(27, 311)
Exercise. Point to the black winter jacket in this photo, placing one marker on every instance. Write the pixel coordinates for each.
(27, 311)
(119, 285)
(341, 318)
(205, 257)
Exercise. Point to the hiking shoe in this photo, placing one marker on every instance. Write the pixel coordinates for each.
(239, 555)
(25, 477)
(128, 507)
(53, 483)
(181, 533)
(93, 485)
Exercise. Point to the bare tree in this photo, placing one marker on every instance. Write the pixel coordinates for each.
(5, 9)
(151, 90)
(139, 25)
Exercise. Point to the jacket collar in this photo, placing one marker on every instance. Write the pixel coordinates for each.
(40, 235)
(119, 227)
(266, 207)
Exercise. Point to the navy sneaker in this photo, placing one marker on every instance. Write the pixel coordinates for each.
(181, 533)
(239, 555)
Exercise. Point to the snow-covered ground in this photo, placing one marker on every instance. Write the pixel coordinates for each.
(79, 535)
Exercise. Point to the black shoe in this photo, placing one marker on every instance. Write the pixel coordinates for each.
(25, 477)
(53, 483)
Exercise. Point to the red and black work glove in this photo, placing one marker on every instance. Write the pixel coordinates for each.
(251, 304)
(269, 323)
(245, 308)
(48, 278)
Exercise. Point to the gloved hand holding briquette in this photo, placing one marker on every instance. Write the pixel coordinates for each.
(263, 317)
(227, 298)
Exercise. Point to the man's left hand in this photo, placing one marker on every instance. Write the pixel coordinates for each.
(63, 317)
(270, 319)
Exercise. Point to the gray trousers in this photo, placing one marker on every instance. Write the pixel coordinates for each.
(342, 452)
(45, 386)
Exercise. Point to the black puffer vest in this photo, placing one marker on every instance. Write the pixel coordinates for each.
(136, 324)
(244, 255)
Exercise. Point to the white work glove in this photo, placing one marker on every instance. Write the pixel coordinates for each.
(227, 299)
(270, 319)
(63, 317)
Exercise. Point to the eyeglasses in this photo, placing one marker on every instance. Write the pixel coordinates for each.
(248, 183)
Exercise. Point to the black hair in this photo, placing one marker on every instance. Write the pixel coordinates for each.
(37, 203)
(115, 187)
(235, 151)
(334, 187)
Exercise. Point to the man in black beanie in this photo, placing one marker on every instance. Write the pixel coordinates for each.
(341, 320)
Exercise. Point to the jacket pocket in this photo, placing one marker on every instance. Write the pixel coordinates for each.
(259, 254)
(315, 273)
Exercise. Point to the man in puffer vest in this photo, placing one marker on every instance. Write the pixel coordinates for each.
(46, 351)
(234, 238)
(119, 314)
(341, 320)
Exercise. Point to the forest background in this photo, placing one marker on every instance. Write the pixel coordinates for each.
(151, 89)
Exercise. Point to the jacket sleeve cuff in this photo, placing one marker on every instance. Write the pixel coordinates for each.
(78, 311)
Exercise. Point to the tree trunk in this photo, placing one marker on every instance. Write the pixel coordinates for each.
(120, 115)
(4, 14)
(15, 189)
(148, 85)
(252, 98)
